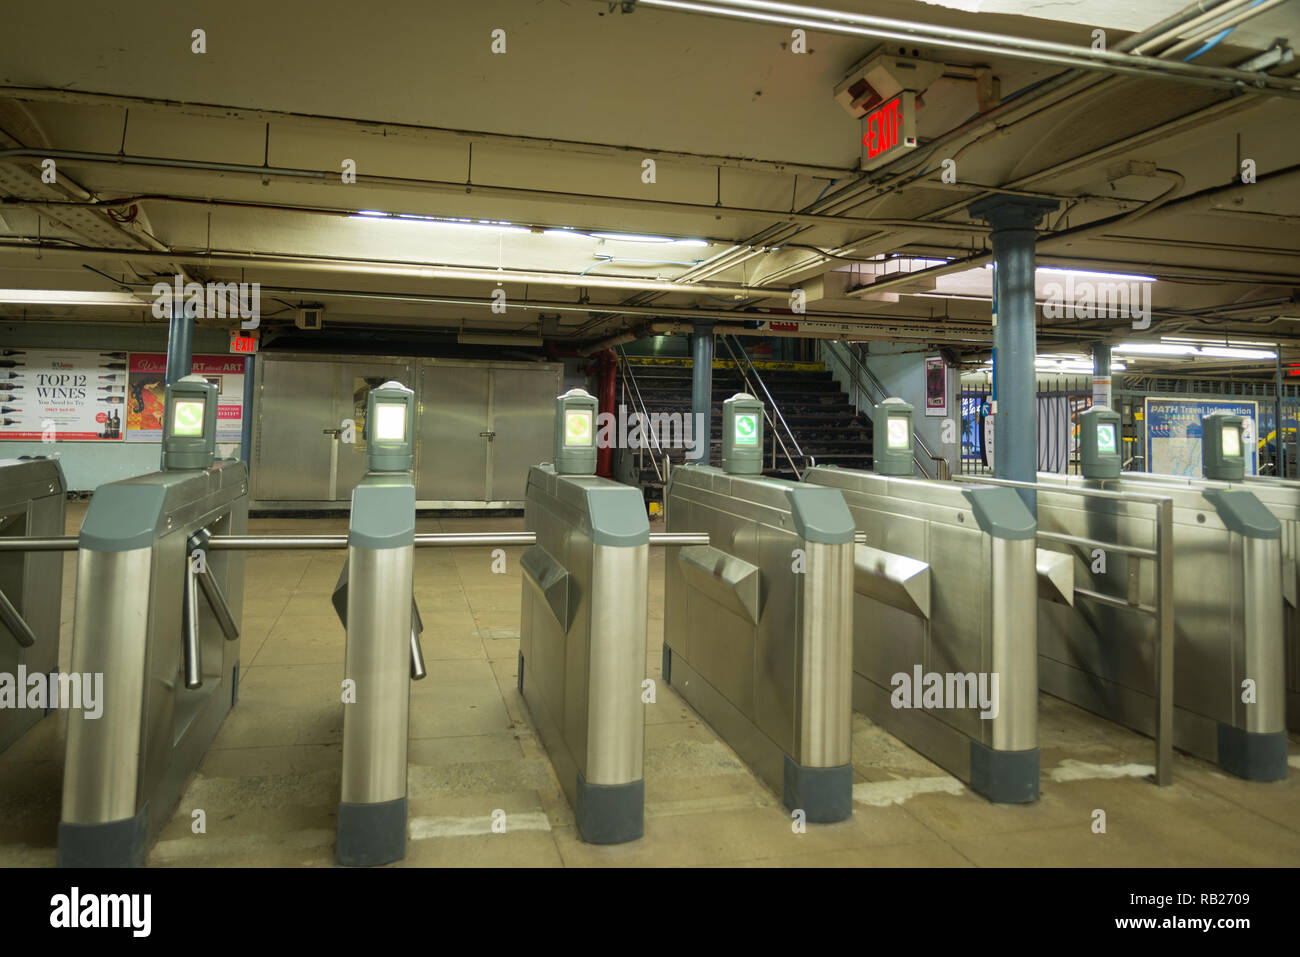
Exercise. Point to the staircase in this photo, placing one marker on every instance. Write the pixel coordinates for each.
(820, 416)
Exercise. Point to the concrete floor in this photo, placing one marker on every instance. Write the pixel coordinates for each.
(270, 784)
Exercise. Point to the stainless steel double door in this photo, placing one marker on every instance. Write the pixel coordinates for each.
(479, 426)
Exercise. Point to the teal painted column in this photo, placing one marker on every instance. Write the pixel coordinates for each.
(702, 386)
(180, 343)
(1015, 340)
(1102, 383)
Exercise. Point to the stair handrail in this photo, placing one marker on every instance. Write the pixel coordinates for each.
(856, 373)
(638, 404)
(726, 341)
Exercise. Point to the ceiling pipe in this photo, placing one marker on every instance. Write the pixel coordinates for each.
(594, 200)
(975, 41)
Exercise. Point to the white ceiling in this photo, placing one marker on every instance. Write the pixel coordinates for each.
(552, 135)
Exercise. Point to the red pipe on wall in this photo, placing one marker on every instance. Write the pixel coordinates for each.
(607, 369)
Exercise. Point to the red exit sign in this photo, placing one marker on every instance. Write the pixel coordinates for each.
(889, 129)
(243, 345)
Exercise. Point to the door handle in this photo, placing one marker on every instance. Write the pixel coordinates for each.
(333, 432)
(490, 435)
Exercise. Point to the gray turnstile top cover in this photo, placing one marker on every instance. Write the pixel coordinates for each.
(820, 514)
(30, 477)
(1001, 512)
(383, 511)
(615, 513)
(129, 514)
(1243, 513)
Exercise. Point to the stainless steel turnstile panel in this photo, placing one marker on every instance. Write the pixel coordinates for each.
(126, 769)
(761, 650)
(1228, 623)
(979, 620)
(1282, 498)
(33, 496)
(582, 657)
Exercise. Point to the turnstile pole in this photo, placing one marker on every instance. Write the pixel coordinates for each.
(1015, 416)
(702, 389)
(190, 646)
(10, 618)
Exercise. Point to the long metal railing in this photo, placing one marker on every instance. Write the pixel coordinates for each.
(1163, 609)
(867, 382)
(69, 543)
(769, 400)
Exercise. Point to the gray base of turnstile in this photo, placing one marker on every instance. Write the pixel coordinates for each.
(1255, 756)
(825, 795)
(371, 834)
(1252, 756)
(604, 813)
(1003, 777)
(112, 844)
(610, 813)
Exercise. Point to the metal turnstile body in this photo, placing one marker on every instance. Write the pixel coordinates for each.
(126, 769)
(373, 597)
(946, 585)
(1282, 498)
(1228, 619)
(33, 495)
(758, 628)
(582, 649)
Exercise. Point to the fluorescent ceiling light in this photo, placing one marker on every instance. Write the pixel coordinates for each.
(491, 224)
(1176, 349)
(1087, 274)
(629, 238)
(70, 297)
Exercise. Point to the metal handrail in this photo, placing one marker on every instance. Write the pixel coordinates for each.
(70, 543)
(776, 435)
(640, 407)
(1162, 611)
(859, 369)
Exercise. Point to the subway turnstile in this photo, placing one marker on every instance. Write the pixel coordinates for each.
(758, 625)
(1099, 653)
(374, 599)
(170, 662)
(582, 650)
(1282, 499)
(138, 623)
(946, 590)
(32, 499)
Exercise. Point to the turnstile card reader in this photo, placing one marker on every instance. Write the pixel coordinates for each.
(742, 435)
(33, 494)
(189, 424)
(891, 437)
(1223, 453)
(944, 643)
(758, 625)
(374, 599)
(389, 433)
(1226, 577)
(582, 647)
(1099, 444)
(575, 433)
(134, 624)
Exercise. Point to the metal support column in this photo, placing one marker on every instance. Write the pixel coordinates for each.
(180, 343)
(702, 387)
(246, 427)
(1279, 435)
(1102, 386)
(1015, 423)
